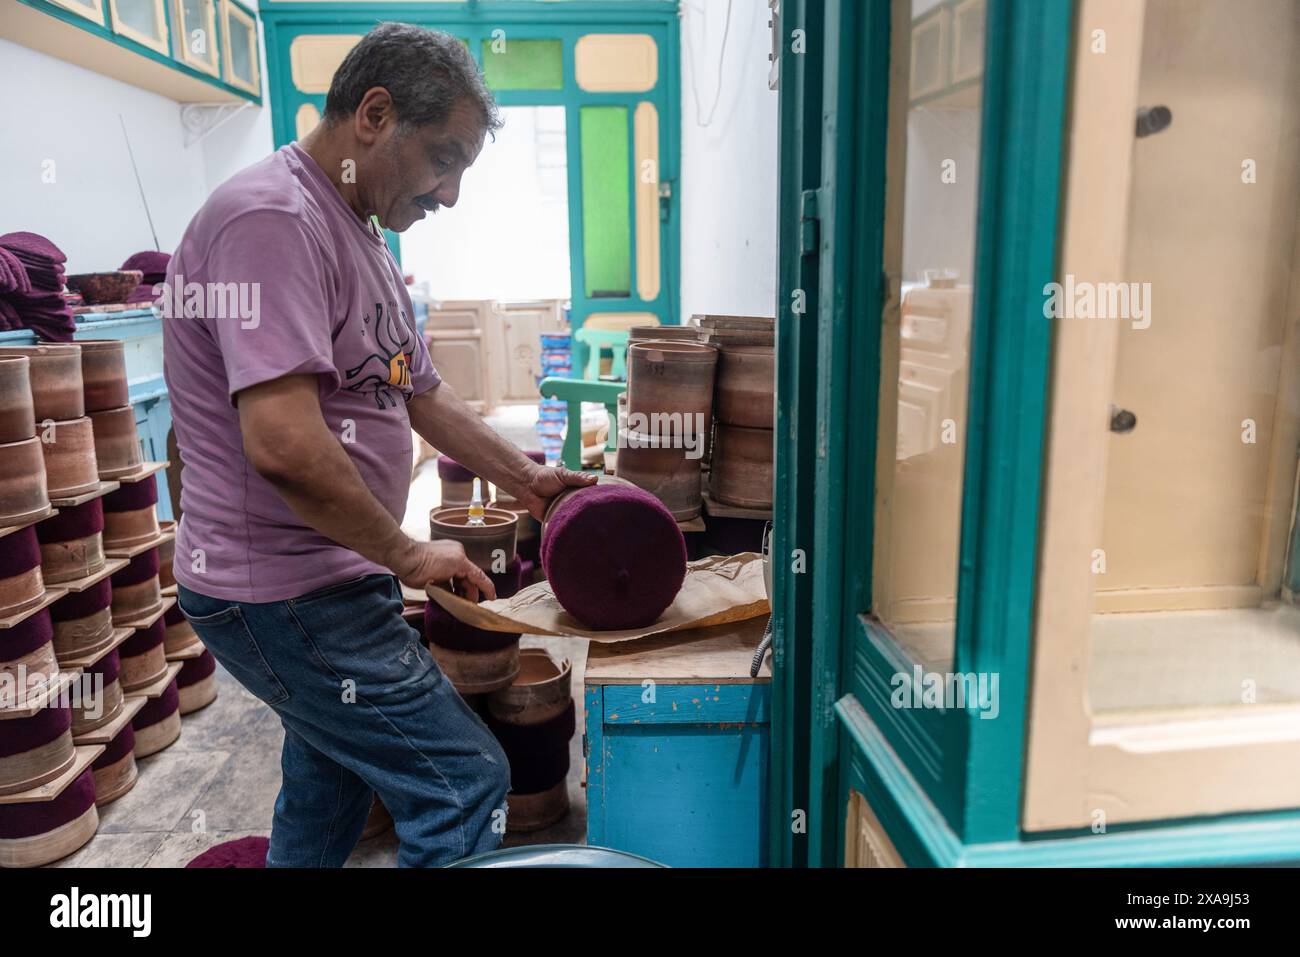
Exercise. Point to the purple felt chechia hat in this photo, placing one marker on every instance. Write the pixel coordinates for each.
(24, 734)
(143, 567)
(614, 556)
(26, 636)
(131, 496)
(41, 817)
(80, 521)
(108, 667)
(117, 749)
(150, 262)
(83, 604)
(19, 552)
(159, 708)
(449, 470)
(144, 639)
(196, 669)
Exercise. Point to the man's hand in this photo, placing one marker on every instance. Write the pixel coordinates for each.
(437, 563)
(546, 483)
(444, 420)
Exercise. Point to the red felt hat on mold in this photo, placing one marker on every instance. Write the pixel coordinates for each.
(614, 556)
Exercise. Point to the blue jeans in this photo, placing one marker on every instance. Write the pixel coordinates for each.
(365, 710)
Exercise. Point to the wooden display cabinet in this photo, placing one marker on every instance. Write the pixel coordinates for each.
(1094, 562)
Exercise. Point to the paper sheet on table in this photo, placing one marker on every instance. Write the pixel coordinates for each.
(717, 590)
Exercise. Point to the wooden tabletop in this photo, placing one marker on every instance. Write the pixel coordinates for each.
(719, 655)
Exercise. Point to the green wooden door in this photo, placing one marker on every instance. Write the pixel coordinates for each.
(613, 66)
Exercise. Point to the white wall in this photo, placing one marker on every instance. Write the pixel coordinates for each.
(92, 209)
(507, 237)
(728, 182)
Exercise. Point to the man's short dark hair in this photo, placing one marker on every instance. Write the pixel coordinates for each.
(426, 72)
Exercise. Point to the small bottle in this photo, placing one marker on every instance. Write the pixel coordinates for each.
(476, 505)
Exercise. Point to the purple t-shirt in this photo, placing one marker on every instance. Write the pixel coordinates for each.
(286, 280)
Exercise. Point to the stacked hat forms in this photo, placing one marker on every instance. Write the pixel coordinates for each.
(46, 786)
(534, 721)
(474, 660)
(35, 302)
(33, 833)
(613, 555)
(529, 537)
(81, 609)
(153, 265)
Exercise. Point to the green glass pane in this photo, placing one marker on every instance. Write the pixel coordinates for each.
(523, 64)
(606, 185)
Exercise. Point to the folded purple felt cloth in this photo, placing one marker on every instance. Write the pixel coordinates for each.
(42, 275)
(32, 245)
(13, 274)
(9, 318)
(52, 328)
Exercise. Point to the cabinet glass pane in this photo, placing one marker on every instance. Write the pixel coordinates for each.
(241, 49)
(523, 64)
(1191, 607)
(606, 201)
(196, 32)
(90, 9)
(926, 356)
(141, 16)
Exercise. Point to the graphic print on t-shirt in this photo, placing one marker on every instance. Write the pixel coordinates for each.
(390, 367)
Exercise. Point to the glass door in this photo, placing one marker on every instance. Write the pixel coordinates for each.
(936, 221)
(613, 75)
(1168, 620)
(925, 348)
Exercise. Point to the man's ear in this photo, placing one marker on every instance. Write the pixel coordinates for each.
(375, 114)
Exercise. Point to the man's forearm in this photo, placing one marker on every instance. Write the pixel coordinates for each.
(288, 443)
(451, 426)
(325, 490)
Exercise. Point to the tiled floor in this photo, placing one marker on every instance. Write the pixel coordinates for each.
(220, 779)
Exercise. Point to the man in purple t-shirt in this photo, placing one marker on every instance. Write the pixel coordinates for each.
(296, 374)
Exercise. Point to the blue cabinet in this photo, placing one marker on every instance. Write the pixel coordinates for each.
(677, 747)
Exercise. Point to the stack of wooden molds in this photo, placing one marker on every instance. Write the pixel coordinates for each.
(79, 594)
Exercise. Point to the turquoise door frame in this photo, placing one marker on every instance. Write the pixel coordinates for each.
(966, 771)
(566, 20)
(797, 340)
